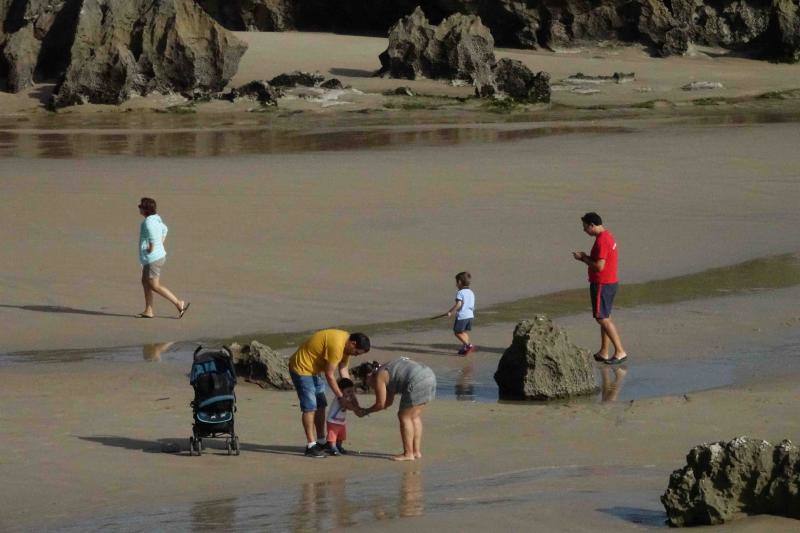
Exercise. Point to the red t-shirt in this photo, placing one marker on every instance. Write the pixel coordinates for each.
(605, 247)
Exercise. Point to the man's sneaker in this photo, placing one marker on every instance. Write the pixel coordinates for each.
(331, 450)
(315, 451)
(469, 349)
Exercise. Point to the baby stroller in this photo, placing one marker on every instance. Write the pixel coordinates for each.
(213, 379)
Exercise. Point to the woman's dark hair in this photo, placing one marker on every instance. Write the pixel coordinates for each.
(464, 278)
(148, 205)
(592, 219)
(361, 340)
(345, 383)
(363, 371)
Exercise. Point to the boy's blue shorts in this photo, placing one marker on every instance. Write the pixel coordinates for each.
(460, 326)
(311, 392)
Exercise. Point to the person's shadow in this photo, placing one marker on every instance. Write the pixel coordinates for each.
(62, 309)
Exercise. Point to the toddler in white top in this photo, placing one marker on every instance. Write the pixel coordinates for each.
(337, 417)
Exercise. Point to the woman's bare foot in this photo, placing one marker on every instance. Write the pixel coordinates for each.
(418, 455)
(403, 457)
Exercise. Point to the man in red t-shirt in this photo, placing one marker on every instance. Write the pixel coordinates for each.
(603, 283)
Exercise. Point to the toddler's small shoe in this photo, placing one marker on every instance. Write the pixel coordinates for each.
(331, 450)
(341, 449)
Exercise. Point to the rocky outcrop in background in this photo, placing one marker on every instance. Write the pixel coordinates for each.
(461, 49)
(724, 479)
(768, 28)
(542, 364)
(104, 51)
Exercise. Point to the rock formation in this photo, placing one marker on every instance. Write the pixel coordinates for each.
(460, 48)
(260, 364)
(724, 479)
(542, 364)
(104, 51)
(298, 77)
(251, 15)
(518, 82)
(768, 28)
(258, 90)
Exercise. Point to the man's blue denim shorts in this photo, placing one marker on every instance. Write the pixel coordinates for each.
(310, 391)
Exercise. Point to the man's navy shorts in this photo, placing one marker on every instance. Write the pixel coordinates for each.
(311, 392)
(460, 326)
(602, 295)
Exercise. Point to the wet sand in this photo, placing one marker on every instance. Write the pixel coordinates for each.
(576, 465)
(382, 231)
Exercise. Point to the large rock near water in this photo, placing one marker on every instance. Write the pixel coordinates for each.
(252, 15)
(460, 48)
(258, 363)
(127, 47)
(513, 79)
(724, 479)
(542, 364)
(104, 51)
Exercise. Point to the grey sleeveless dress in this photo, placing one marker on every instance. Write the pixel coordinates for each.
(416, 383)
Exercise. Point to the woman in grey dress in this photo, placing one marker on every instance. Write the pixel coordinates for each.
(416, 385)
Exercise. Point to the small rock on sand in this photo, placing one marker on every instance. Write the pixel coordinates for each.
(702, 86)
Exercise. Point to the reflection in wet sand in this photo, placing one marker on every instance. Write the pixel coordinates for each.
(58, 144)
(412, 496)
(217, 515)
(612, 382)
(465, 386)
(152, 352)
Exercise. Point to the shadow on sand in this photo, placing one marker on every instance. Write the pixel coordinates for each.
(352, 72)
(635, 515)
(180, 446)
(62, 309)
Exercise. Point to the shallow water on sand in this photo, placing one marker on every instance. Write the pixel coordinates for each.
(365, 501)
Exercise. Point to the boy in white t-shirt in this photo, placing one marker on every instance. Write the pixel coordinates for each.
(465, 312)
(336, 420)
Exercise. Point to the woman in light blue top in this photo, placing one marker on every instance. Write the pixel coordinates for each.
(152, 256)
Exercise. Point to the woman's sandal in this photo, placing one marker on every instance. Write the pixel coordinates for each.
(183, 311)
(599, 358)
(142, 315)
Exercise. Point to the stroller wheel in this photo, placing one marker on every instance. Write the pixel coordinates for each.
(199, 446)
(191, 445)
(229, 446)
(236, 445)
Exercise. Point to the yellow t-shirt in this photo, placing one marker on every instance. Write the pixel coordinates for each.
(323, 347)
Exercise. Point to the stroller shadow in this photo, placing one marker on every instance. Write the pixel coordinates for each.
(180, 446)
(173, 446)
(62, 309)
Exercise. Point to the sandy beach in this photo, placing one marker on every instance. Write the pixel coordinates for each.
(316, 215)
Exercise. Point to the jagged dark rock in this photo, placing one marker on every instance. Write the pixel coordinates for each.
(724, 479)
(331, 84)
(513, 79)
(258, 90)
(252, 15)
(260, 364)
(298, 77)
(542, 364)
(460, 48)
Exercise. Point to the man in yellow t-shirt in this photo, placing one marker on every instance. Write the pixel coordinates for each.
(323, 353)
